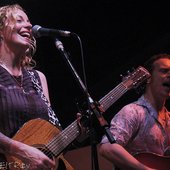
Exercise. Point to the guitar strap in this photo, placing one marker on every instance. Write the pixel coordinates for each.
(52, 116)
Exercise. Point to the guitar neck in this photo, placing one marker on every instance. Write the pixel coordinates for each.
(68, 135)
(64, 138)
(113, 96)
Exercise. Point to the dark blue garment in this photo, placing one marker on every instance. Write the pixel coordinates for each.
(17, 106)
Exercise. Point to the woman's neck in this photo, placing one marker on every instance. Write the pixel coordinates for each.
(11, 62)
(10, 58)
(13, 69)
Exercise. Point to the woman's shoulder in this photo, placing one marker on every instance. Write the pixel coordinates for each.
(40, 74)
(37, 74)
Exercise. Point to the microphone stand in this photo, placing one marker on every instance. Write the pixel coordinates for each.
(93, 106)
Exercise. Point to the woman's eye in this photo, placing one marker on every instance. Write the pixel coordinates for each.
(19, 20)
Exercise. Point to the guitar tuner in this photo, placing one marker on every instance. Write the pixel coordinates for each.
(128, 72)
(121, 75)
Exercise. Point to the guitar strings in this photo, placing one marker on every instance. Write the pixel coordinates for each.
(52, 145)
(107, 100)
(65, 138)
(57, 148)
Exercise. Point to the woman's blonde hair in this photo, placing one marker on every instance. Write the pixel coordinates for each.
(6, 16)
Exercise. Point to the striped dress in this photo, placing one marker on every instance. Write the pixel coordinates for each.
(19, 104)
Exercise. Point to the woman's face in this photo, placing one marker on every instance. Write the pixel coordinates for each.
(17, 32)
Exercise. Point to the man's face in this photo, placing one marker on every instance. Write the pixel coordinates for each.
(160, 79)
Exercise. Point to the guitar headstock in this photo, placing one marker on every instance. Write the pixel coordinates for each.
(136, 78)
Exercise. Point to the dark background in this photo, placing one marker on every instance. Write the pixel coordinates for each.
(116, 36)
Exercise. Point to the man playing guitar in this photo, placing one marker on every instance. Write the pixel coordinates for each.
(143, 127)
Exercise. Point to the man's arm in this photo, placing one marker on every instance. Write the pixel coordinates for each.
(116, 154)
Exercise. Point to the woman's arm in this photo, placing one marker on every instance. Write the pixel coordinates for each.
(31, 156)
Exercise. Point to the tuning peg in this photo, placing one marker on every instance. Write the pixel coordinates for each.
(128, 72)
(121, 76)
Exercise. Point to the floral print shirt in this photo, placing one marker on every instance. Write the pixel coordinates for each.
(138, 129)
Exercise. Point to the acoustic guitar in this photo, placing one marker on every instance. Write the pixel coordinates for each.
(50, 140)
(154, 161)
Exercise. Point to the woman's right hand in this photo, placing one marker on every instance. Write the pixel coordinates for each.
(32, 157)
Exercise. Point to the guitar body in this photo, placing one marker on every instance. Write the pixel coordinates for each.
(154, 161)
(37, 133)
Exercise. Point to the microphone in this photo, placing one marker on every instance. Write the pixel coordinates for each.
(39, 31)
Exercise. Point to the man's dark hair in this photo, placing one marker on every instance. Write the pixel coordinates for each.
(149, 66)
(149, 63)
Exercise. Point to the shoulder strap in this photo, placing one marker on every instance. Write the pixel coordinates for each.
(52, 116)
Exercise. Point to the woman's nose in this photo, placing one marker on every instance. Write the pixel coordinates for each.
(28, 25)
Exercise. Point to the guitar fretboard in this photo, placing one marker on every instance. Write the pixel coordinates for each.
(63, 139)
(113, 96)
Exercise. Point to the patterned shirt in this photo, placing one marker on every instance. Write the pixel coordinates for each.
(137, 128)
